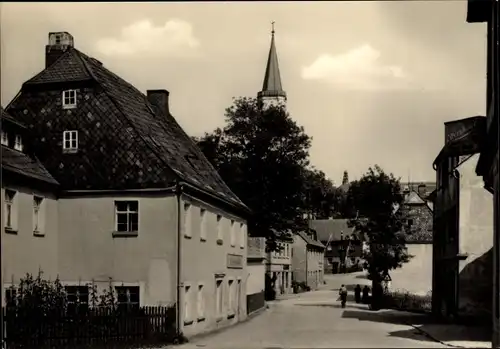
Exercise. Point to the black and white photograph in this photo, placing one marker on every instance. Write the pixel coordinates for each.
(250, 175)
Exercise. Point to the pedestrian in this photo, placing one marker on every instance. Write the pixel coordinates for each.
(366, 294)
(343, 295)
(357, 294)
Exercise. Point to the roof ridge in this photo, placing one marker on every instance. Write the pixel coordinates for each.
(44, 69)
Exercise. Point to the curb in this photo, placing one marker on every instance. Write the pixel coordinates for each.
(422, 332)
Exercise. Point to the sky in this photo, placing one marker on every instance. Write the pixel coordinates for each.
(371, 82)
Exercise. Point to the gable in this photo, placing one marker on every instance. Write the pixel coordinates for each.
(124, 143)
(413, 198)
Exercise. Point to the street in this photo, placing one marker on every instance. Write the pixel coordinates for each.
(316, 320)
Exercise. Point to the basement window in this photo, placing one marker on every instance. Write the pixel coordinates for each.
(69, 99)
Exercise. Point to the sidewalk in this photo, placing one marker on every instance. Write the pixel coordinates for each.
(457, 336)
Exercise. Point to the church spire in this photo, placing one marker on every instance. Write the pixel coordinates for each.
(272, 90)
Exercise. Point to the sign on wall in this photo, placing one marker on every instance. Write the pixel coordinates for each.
(234, 261)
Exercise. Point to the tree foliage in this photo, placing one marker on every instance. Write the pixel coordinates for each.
(262, 154)
(377, 197)
(321, 197)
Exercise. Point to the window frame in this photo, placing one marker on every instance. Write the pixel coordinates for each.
(232, 233)
(5, 138)
(219, 298)
(128, 213)
(187, 313)
(18, 143)
(187, 220)
(220, 231)
(128, 304)
(79, 306)
(66, 95)
(70, 136)
(38, 201)
(243, 235)
(203, 224)
(230, 298)
(200, 302)
(10, 200)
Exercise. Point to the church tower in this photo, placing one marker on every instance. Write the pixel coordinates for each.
(272, 92)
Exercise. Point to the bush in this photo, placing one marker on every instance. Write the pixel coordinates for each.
(404, 300)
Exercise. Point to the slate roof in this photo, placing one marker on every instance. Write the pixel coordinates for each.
(6, 117)
(271, 86)
(325, 227)
(19, 162)
(310, 241)
(161, 133)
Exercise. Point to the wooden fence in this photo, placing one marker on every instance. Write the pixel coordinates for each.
(95, 328)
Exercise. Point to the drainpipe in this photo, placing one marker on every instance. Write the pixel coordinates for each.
(178, 193)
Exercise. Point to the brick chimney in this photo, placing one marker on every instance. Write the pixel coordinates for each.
(159, 101)
(59, 43)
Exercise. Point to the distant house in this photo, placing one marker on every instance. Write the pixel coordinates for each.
(307, 260)
(463, 226)
(137, 200)
(278, 266)
(416, 275)
(29, 208)
(333, 234)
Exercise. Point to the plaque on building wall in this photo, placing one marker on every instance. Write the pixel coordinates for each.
(234, 261)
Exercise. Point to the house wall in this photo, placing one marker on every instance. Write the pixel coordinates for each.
(204, 261)
(89, 252)
(314, 268)
(24, 252)
(475, 241)
(279, 265)
(255, 286)
(496, 252)
(299, 259)
(416, 275)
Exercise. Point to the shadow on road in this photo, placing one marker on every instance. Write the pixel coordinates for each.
(339, 306)
(427, 328)
(362, 276)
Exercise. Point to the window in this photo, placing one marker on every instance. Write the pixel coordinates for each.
(127, 216)
(69, 99)
(233, 233)
(230, 286)
(37, 204)
(219, 300)
(5, 138)
(78, 298)
(70, 141)
(58, 39)
(10, 214)
(187, 220)
(203, 225)
(243, 235)
(187, 304)
(219, 229)
(18, 143)
(127, 297)
(200, 301)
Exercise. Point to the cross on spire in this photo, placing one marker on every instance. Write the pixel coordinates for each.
(272, 26)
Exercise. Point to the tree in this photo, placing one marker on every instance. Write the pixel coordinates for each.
(377, 198)
(262, 155)
(321, 199)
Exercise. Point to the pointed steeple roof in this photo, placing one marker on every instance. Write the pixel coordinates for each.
(272, 80)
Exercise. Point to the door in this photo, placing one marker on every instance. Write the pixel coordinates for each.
(238, 299)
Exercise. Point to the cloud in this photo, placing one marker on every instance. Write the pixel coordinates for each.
(357, 69)
(174, 38)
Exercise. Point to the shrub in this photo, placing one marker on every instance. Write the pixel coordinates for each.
(404, 300)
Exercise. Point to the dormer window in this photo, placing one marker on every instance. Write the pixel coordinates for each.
(18, 143)
(70, 141)
(69, 99)
(5, 138)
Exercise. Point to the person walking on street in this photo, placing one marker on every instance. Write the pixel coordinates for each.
(366, 294)
(343, 295)
(357, 294)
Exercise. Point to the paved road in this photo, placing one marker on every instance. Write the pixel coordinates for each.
(315, 320)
